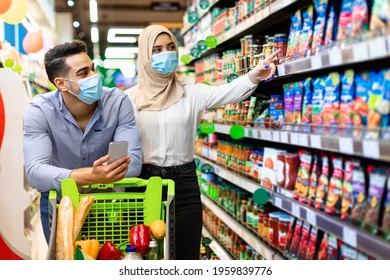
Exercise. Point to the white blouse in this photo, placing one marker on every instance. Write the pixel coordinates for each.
(168, 136)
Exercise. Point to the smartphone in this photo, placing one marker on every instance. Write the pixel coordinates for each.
(117, 150)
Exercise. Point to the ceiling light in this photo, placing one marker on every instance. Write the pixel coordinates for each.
(94, 34)
(120, 52)
(70, 3)
(93, 11)
(116, 35)
(132, 31)
(76, 24)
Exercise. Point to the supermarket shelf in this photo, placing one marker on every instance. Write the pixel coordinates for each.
(249, 237)
(339, 55)
(241, 181)
(373, 149)
(216, 246)
(366, 242)
(253, 23)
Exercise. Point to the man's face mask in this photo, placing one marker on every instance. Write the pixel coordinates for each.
(165, 62)
(91, 89)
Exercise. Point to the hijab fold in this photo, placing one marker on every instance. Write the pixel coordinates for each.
(155, 91)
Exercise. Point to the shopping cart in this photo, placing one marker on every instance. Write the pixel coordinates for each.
(112, 214)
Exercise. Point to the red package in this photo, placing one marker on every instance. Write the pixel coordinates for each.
(304, 243)
(333, 199)
(296, 239)
(311, 248)
(323, 185)
(291, 169)
(323, 250)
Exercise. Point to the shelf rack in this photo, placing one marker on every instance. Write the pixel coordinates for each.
(367, 148)
(217, 248)
(350, 234)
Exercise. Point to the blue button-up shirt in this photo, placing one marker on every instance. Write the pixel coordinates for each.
(54, 144)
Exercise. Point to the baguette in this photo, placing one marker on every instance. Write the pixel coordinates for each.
(81, 214)
(64, 238)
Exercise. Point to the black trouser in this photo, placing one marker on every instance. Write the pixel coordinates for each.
(188, 207)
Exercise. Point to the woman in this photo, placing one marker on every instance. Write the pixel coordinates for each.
(168, 114)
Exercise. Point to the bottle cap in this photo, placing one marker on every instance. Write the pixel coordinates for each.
(152, 243)
(130, 248)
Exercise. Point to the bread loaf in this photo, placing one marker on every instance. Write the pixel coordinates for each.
(64, 238)
(81, 214)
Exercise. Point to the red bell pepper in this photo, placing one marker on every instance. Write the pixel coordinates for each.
(109, 252)
(140, 237)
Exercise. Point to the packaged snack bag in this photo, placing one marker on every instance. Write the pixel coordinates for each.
(296, 239)
(330, 31)
(359, 208)
(359, 17)
(319, 26)
(323, 250)
(297, 29)
(323, 184)
(386, 213)
(307, 32)
(379, 14)
(307, 102)
(302, 183)
(297, 108)
(312, 247)
(360, 104)
(276, 110)
(290, 233)
(378, 104)
(331, 106)
(377, 182)
(333, 248)
(315, 173)
(347, 199)
(345, 20)
(317, 102)
(333, 199)
(304, 242)
(347, 252)
(289, 91)
(346, 98)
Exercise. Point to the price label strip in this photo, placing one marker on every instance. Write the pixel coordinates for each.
(335, 57)
(346, 145)
(377, 47)
(315, 141)
(371, 149)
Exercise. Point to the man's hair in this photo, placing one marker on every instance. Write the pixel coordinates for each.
(55, 58)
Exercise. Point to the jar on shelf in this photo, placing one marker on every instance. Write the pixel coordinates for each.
(273, 228)
(280, 43)
(283, 225)
(267, 49)
(266, 226)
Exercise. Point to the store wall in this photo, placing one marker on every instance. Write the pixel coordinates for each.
(64, 23)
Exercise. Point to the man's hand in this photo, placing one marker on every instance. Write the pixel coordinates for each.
(101, 172)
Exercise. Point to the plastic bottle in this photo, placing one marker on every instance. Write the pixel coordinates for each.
(153, 251)
(131, 254)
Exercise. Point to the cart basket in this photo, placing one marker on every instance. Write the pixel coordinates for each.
(113, 213)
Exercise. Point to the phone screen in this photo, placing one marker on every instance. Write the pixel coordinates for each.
(117, 150)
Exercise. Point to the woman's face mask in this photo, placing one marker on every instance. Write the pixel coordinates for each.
(165, 62)
(91, 89)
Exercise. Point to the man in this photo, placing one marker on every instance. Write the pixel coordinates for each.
(67, 131)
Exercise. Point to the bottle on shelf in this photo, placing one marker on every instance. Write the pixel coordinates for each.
(131, 254)
(153, 251)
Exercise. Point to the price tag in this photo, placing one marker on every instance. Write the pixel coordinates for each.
(281, 70)
(311, 217)
(377, 47)
(256, 134)
(335, 57)
(247, 132)
(266, 134)
(278, 202)
(346, 145)
(276, 136)
(315, 141)
(388, 43)
(294, 139)
(371, 149)
(360, 52)
(350, 236)
(303, 140)
(296, 210)
(316, 62)
(284, 137)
